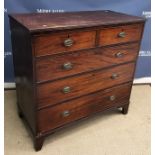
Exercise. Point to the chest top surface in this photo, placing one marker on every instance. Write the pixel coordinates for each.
(38, 22)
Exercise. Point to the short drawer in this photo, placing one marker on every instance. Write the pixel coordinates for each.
(69, 88)
(59, 66)
(62, 42)
(67, 112)
(120, 34)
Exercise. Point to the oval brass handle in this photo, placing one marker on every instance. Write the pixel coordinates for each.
(122, 34)
(112, 98)
(66, 89)
(114, 76)
(119, 55)
(67, 66)
(65, 113)
(68, 42)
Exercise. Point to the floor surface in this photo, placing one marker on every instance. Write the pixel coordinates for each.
(109, 133)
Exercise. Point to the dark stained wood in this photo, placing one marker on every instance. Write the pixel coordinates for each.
(110, 36)
(23, 69)
(51, 118)
(125, 109)
(52, 93)
(38, 143)
(54, 43)
(38, 22)
(101, 75)
(51, 68)
(20, 113)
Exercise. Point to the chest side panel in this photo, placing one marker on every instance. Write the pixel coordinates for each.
(23, 70)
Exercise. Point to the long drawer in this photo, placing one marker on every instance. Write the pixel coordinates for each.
(120, 34)
(69, 88)
(59, 66)
(61, 114)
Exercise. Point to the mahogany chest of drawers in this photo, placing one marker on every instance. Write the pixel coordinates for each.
(69, 66)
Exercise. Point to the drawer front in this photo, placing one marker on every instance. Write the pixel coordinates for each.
(63, 42)
(64, 113)
(69, 88)
(120, 34)
(60, 66)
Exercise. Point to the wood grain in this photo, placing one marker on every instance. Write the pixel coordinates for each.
(54, 43)
(52, 93)
(51, 118)
(110, 36)
(40, 22)
(101, 75)
(51, 67)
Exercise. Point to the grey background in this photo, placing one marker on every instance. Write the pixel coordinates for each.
(133, 7)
